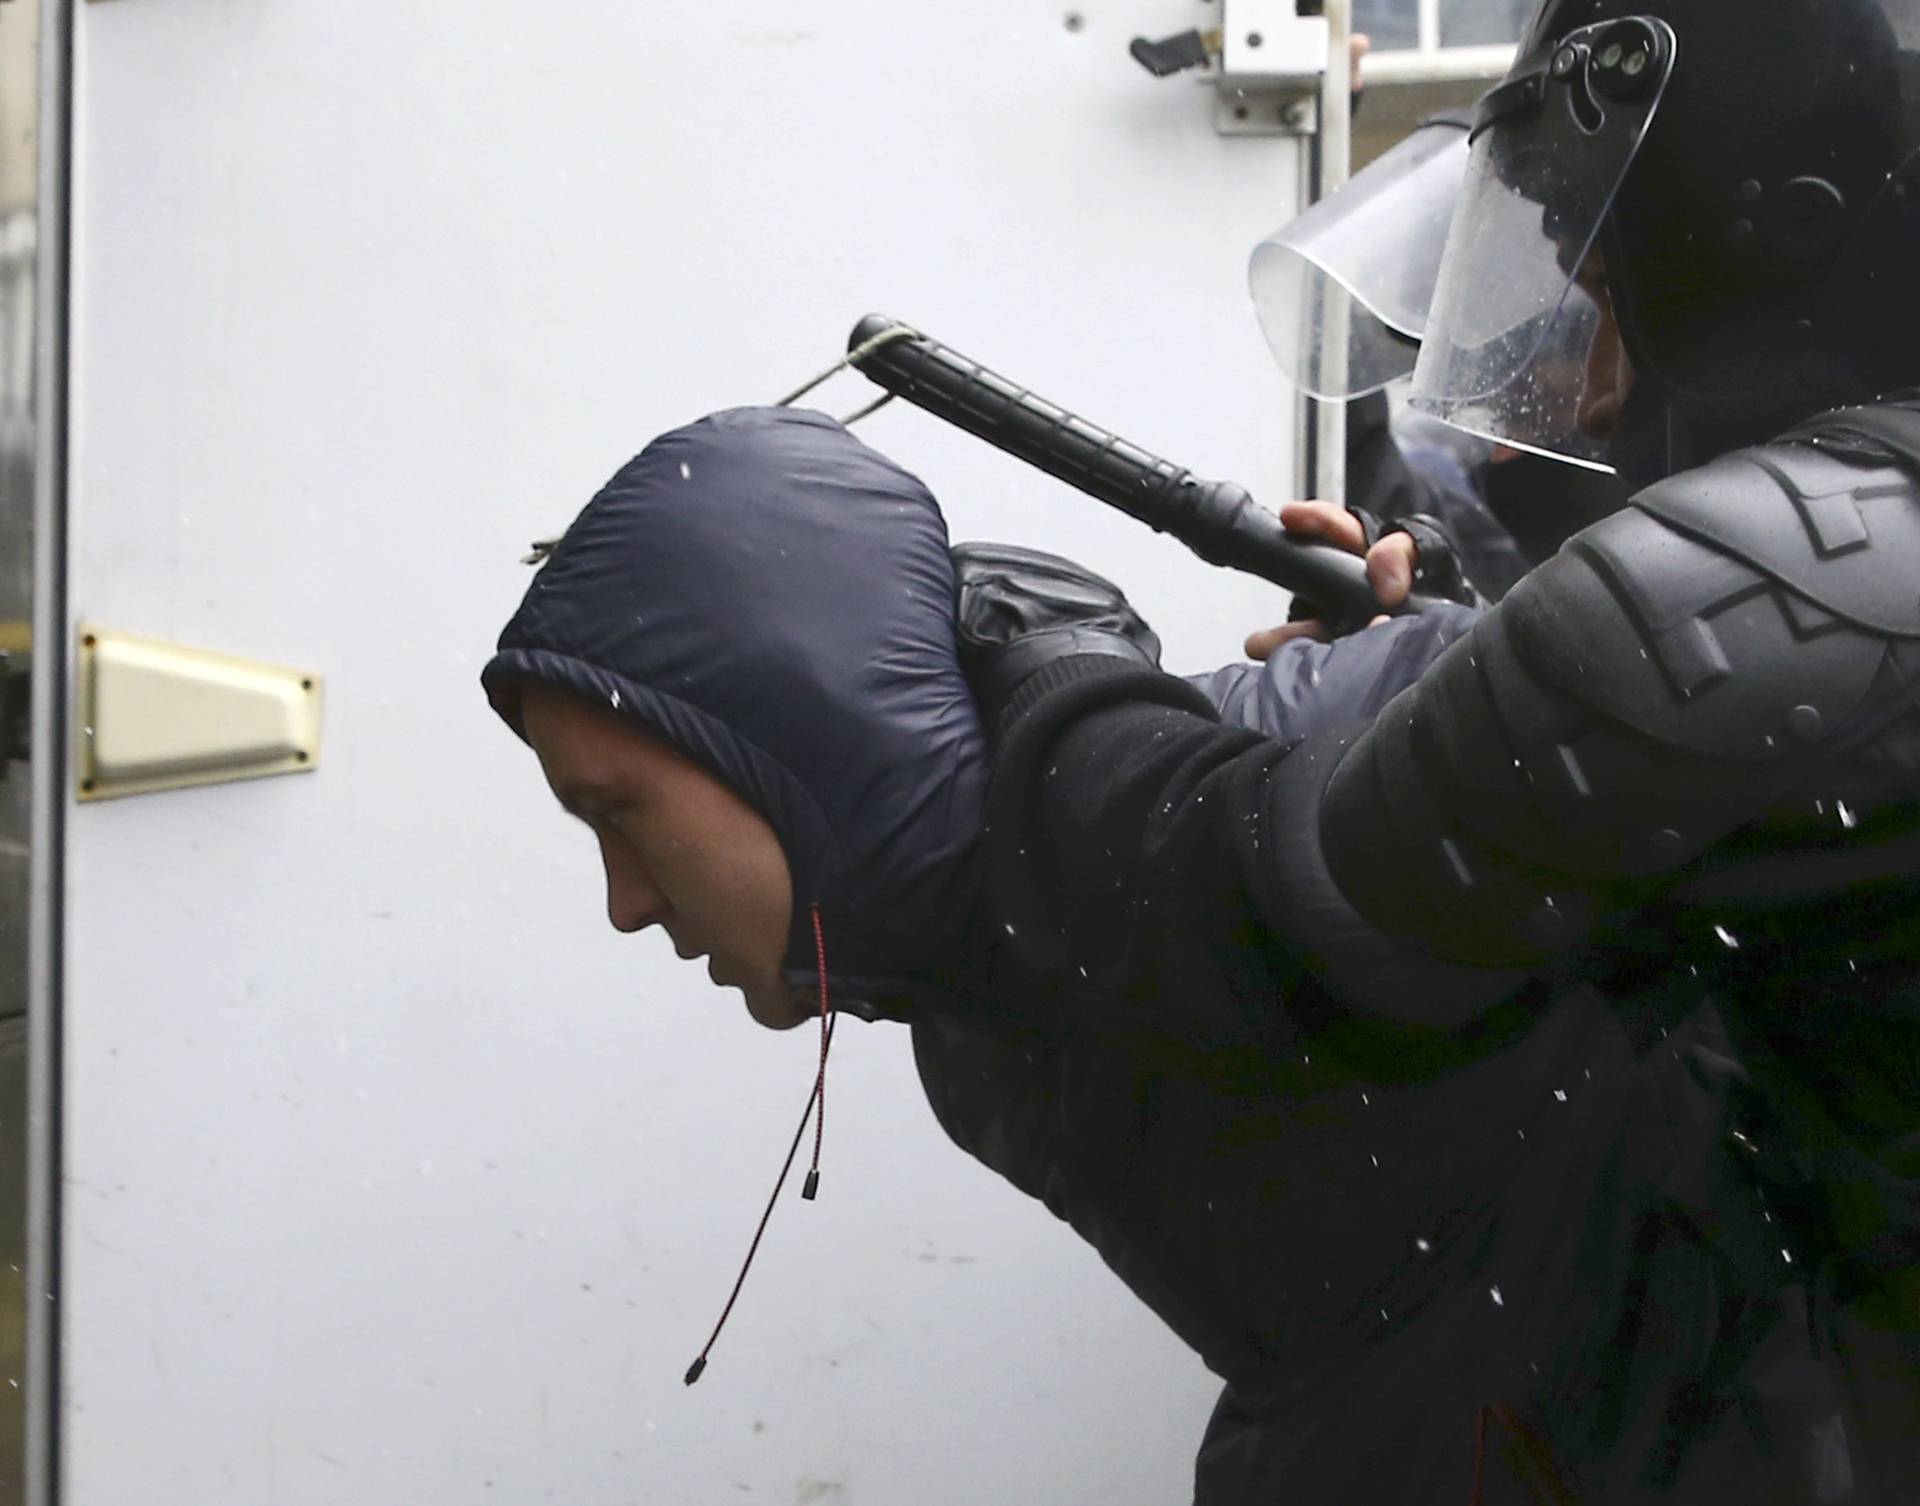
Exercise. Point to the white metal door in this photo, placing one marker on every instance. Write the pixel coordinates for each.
(391, 1174)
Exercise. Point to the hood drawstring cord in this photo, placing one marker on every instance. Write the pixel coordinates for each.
(817, 1097)
(811, 1189)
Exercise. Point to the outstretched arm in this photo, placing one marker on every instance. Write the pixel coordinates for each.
(1634, 701)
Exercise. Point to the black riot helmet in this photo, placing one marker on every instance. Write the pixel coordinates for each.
(1739, 179)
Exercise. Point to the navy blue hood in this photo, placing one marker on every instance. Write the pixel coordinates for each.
(776, 600)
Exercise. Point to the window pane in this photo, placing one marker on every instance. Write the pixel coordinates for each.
(1482, 23)
(1393, 25)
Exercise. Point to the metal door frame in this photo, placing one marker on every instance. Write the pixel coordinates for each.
(48, 765)
(1320, 461)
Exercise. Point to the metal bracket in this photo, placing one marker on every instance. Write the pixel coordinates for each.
(1241, 112)
(16, 707)
(16, 693)
(1272, 59)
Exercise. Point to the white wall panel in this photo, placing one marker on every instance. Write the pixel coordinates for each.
(393, 1175)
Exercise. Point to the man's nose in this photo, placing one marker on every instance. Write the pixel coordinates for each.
(633, 908)
(634, 900)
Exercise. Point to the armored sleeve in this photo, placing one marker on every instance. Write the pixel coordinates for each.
(1686, 667)
(1729, 647)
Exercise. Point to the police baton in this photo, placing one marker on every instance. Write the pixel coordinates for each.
(1217, 520)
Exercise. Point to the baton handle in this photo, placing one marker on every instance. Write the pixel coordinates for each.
(1217, 520)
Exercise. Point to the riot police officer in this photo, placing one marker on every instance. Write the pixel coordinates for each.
(1676, 770)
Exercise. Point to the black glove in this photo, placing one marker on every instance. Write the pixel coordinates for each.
(1437, 569)
(1020, 610)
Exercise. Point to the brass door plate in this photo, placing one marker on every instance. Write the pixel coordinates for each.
(154, 715)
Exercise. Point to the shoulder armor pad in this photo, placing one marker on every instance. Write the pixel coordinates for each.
(1843, 533)
(1692, 647)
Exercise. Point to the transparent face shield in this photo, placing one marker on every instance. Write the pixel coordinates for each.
(1342, 290)
(1520, 346)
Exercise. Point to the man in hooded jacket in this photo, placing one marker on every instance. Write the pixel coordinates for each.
(838, 715)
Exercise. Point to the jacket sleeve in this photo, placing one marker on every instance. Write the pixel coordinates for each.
(1632, 702)
(1305, 686)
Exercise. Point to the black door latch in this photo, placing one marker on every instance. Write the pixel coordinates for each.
(1176, 54)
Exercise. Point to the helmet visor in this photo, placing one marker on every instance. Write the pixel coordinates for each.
(1519, 344)
(1342, 290)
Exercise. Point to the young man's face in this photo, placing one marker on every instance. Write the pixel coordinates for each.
(680, 849)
